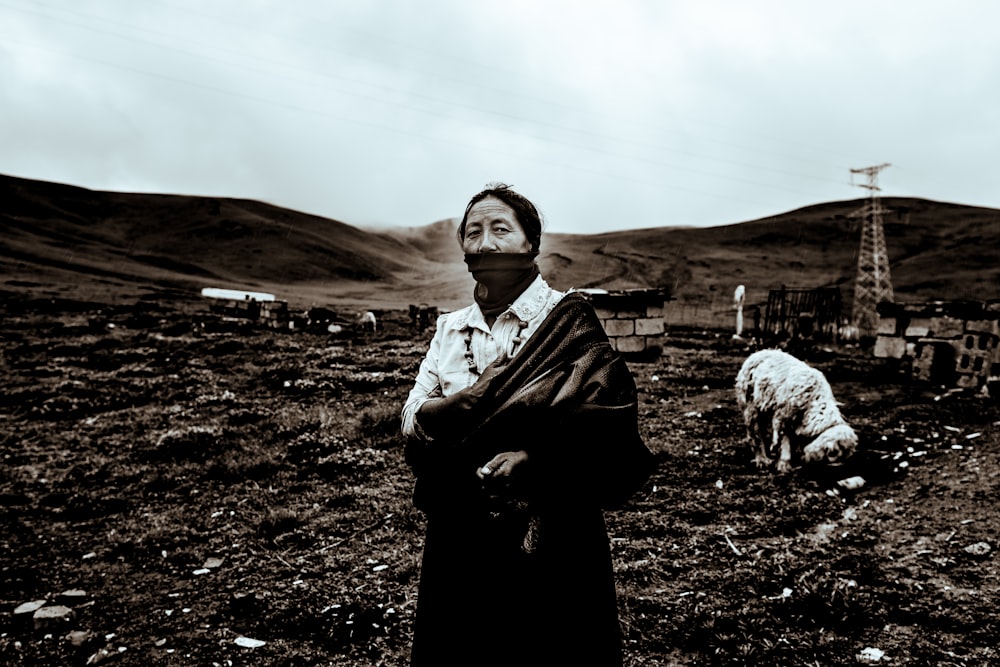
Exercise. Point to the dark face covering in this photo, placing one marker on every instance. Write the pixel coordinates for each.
(501, 277)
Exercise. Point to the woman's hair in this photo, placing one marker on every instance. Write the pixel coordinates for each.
(527, 214)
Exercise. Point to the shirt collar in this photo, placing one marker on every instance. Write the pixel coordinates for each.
(525, 307)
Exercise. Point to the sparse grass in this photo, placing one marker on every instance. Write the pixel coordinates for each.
(301, 491)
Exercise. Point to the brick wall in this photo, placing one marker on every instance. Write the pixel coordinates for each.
(954, 343)
(633, 319)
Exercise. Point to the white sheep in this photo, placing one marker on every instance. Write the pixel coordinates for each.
(366, 321)
(788, 405)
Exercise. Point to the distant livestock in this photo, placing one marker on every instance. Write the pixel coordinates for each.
(788, 406)
(366, 322)
(318, 316)
(421, 314)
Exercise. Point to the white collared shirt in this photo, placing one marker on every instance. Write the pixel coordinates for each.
(446, 369)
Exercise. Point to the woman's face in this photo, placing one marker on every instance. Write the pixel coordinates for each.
(492, 226)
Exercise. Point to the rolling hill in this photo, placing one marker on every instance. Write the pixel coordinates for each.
(62, 240)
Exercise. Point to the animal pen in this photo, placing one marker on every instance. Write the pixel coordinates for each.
(803, 313)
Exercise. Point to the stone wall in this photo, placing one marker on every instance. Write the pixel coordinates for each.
(951, 343)
(273, 314)
(633, 319)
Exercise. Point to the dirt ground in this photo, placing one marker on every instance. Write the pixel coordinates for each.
(175, 494)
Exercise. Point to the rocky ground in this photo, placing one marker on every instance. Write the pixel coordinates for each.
(178, 490)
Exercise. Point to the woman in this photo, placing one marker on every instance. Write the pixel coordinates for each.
(523, 427)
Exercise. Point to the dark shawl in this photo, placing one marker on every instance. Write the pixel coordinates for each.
(569, 400)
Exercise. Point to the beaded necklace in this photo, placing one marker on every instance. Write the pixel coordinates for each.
(468, 346)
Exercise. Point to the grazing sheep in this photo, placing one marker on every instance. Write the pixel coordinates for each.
(367, 321)
(788, 405)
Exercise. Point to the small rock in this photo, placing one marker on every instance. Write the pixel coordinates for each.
(246, 642)
(852, 483)
(48, 618)
(72, 597)
(979, 549)
(30, 607)
(79, 637)
(871, 654)
(101, 656)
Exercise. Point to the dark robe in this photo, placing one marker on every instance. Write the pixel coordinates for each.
(488, 595)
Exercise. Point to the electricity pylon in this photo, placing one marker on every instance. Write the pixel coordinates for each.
(872, 284)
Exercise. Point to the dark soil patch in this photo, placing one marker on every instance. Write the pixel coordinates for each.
(201, 484)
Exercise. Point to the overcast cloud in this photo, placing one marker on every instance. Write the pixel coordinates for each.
(609, 115)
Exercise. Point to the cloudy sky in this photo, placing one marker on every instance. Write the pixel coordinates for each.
(609, 115)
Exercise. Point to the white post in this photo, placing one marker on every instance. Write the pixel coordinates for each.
(738, 297)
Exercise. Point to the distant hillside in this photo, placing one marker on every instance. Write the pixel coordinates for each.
(936, 251)
(58, 234)
(62, 240)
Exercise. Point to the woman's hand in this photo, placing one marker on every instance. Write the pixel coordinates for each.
(503, 479)
(502, 466)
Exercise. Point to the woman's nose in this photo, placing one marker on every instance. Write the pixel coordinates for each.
(488, 243)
